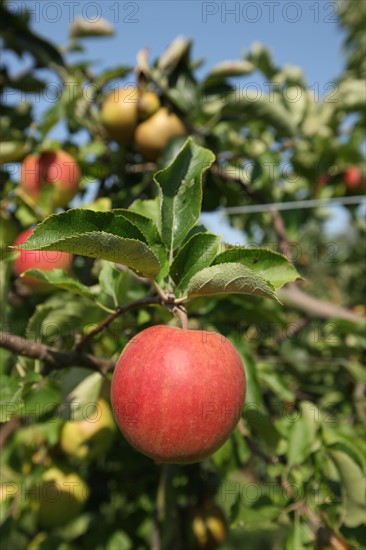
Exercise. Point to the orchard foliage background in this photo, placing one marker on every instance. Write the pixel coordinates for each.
(292, 474)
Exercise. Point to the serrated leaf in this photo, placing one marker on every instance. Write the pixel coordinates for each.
(148, 228)
(229, 278)
(195, 255)
(180, 186)
(353, 486)
(271, 266)
(60, 279)
(102, 235)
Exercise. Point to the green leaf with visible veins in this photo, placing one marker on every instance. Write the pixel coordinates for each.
(102, 235)
(196, 254)
(271, 266)
(229, 278)
(180, 186)
(148, 229)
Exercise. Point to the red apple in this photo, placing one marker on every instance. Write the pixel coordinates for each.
(56, 168)
(352, 177)
(37, 259)
(178, 394)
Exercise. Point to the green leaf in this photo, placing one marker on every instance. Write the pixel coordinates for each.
(110, 280)
(230, 68)
(262, 425)
(102, 235)
(195, 255)
(20, 38)
(80, 389)
(276, 383)
(10, 397)
(271, 266)
(112, 74)
(353, 486)
(150, 208)
(11, 151)
(229, 278)
(59, 279)
(119, 539)
(149, 230)
(302, 434)
(265, 107)
(299, 536)
(253, 394)
(42, 400)
(180, 186)
(57, 321)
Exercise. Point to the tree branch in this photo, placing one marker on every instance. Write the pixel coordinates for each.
(148, 300)
(53, 357)
(292, 296)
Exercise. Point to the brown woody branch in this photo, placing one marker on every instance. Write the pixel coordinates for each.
(53, 358)
(292, 296)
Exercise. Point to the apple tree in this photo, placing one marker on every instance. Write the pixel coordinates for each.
(103, 241)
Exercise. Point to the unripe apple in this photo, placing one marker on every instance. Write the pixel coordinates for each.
(56, 168)
(38, 259)
(352, 177)
(119, 114)
(59, 497)
(148, 104)
(152, 136)
(208, 527)
(178, 394)
(91, 437)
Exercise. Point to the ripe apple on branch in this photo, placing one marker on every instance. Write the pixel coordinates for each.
(177, 394)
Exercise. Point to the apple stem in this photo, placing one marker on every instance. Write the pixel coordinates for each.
(162, 295)
(181, 313)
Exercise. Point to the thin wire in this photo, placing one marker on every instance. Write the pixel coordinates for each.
(293, 205)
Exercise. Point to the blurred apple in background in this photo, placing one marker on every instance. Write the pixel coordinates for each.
(91, 437)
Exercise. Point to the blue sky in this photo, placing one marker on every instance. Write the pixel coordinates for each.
(302, 33)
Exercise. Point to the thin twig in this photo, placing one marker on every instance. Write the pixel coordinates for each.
(149, 300)
(53, 357)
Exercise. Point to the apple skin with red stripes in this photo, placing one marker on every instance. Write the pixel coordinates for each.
(178, 394)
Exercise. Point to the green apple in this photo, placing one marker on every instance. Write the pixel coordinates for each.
(91, 437)
(59, 497)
